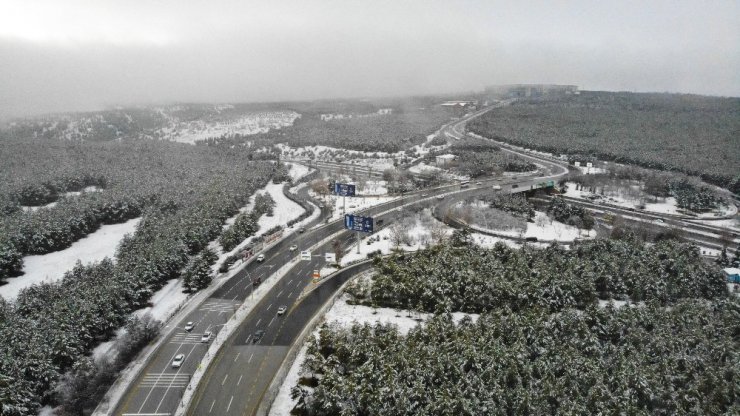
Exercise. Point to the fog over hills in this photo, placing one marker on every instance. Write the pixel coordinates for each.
(83, 55)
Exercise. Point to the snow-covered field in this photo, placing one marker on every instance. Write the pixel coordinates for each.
(374, 188)
(51, 267)
(421, 167)
(631, 199)
(353, 204)
(258, 122)
(321, 152)
(298, 171)
(545, 228)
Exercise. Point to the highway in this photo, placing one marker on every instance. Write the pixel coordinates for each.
(237, 381)
(239, 376)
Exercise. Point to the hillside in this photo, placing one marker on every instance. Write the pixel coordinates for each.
(693, 134)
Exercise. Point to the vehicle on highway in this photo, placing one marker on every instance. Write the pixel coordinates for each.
(464, 184)
(440, 197)
(189, 326)
(514, 186)
(531, 239)
(660, 220)
(257, 281)
(293, 247)
(282, 309)
(177, 362)
(321, 206)
(496, 187)
(206, 336)
(302, 230)
(261, 258)
(479, 183)
(424, 195)
(258, 335)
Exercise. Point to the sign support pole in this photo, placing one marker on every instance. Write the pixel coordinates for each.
(357, 234)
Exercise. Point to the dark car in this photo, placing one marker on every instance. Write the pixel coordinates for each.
(302, 230)
(514, 186)
(258, 335)
(530, 239)
(257, 281)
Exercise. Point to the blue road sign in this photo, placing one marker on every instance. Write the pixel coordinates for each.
(358, 223)
(344, 189)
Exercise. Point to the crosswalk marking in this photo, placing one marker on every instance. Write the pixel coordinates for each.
(218, 305)
(186, 338)
(165, 380)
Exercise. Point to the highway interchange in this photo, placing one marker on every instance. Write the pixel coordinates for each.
(238, 378)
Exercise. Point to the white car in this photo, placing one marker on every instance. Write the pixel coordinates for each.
(496, 187)
(189, 326)
(293, 248)
(177, 362)
(261, 258)
(206, 336)
(440, 197)
(281, 310)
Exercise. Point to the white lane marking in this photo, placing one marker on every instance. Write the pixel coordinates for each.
(211, 409)
(224, 380)
(273, 318)
(237, 357)
(160, 375)
(229, 406)
(168, 388)
(258, 321)
(290, 294)
(240, 380)
(250, 358)
(268, 308)
(279, 293)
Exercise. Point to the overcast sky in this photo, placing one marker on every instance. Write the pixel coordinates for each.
(60, 55)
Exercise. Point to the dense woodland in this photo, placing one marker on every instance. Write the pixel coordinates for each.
(685, 133)
(372, 133)
(542, 344)
(183, 194)
(477, 157)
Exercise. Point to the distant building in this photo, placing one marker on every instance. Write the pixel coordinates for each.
(444, 160)
(732, 274)
(385, 111)
(530, 90)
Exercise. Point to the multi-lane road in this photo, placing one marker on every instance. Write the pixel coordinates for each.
(238, 378)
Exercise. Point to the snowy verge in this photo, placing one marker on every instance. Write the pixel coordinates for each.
(51, 267)
(132, 371)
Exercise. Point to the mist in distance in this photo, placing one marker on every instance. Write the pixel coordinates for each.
(86, 55)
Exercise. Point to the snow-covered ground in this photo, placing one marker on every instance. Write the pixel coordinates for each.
(298, 171)
(421, 167)
(545, 228)
(354, 204)
(374, 188)
(51, 267)
(258, 122)
(321, 152)
(631, 199)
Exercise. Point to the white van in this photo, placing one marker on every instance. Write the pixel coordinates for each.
(261, 258)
